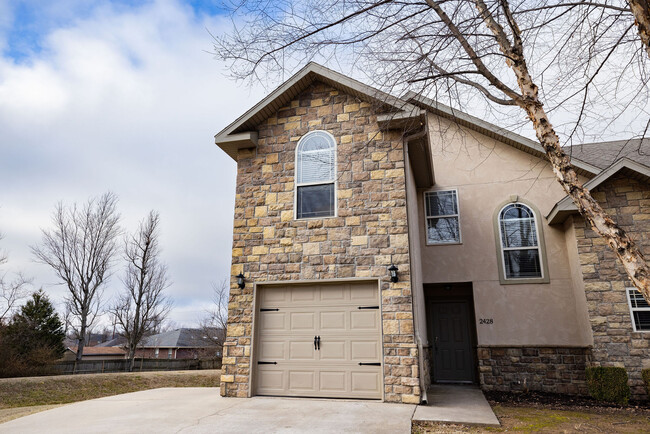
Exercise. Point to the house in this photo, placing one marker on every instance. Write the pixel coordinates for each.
(95, 353)
(381, 244)
(183, 343)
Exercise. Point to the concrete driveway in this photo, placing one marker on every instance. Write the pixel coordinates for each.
(202, 410)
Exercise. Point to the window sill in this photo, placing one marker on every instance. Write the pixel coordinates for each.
(444, 244)
(534, 280)
(295, 219)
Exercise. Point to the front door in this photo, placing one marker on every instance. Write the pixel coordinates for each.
(452, 347)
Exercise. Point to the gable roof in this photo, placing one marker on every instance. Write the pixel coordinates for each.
(183, 337)
(240, 134)
(115, 342)
(565, 207)
(501, 134)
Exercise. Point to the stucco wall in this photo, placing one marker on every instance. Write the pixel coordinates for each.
(615, 341)
(487, 173)
(369, 233)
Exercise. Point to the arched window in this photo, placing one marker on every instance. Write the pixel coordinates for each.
(521, 250)
(315, 175)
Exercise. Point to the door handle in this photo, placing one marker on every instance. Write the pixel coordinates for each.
(435, 344)
(318, 342)
(315, 343)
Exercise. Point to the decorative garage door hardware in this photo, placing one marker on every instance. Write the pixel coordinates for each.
(317, 343)
(368, 307)
(269, 310)
(369, 364)
(267, 363)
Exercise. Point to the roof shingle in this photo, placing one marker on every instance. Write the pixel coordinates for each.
(604, 154)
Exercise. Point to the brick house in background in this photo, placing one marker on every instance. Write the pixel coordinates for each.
(95, 353)
(183, 343)
(381, 244)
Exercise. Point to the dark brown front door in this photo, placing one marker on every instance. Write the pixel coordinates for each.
(452, 346)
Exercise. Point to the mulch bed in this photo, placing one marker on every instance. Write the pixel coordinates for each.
(562, 402)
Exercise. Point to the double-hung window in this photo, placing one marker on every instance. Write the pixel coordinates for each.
(639, 310)
(316, 175)
(443, 220)
(520, 245)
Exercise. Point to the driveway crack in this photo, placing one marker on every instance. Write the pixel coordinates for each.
(198, 421)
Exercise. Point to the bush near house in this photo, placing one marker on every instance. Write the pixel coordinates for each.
(608, 383)
(645, 374)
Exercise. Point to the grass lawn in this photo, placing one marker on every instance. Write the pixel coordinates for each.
(63, 389)
(544, 420)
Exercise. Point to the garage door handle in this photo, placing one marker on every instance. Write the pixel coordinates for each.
(318, 342)
(315, 343)
(369, 364)
(368, 307)
(267, 363)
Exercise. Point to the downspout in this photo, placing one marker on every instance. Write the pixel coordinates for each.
(415, 291)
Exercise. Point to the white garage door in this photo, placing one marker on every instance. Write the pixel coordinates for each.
(319, 341)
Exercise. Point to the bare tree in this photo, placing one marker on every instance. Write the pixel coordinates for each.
(497, 50)
(12, 291)
(641, 11)
(81, 249)
(216, 320)
(143, 304)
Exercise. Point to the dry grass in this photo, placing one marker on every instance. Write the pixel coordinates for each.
(33, 391)
(544, 420)
(7, 414)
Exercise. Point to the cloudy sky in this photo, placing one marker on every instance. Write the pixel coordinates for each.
(122, 96)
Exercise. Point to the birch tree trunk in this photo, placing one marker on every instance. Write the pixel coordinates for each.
(641, 11)
(623, 246)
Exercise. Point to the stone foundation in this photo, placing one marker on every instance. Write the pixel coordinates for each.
(543, 369)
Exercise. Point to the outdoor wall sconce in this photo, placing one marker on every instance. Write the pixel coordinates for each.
(393, 273)
(240, 280)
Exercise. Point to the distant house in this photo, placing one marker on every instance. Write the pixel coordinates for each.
(183, 343)
(95, 353)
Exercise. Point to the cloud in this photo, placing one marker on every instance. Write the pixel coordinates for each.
(124, 99)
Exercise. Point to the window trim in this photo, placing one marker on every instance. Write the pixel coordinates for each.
(307, 184)
(541, 245)
(426, 218)
(632, 309)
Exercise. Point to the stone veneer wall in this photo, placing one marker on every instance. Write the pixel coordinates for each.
(544, 369)
(369, 233)
(615, 341)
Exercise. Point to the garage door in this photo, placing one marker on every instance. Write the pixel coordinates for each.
(319, 341)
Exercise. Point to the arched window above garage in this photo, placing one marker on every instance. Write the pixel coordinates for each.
(316, 176)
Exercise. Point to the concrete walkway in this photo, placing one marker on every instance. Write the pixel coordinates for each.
(456, 404)
(202, 410)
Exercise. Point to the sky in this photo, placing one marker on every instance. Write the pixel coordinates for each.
(120, 96)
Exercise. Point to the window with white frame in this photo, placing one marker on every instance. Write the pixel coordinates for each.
(639, 310)
(169, 353)
(315, 175)
(519, 242)
(443, 219)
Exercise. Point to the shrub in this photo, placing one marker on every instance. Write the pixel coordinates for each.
(608, 383)
(646, 379)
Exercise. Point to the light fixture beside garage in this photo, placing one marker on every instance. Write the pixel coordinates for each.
(393, 273)
(241, 280)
